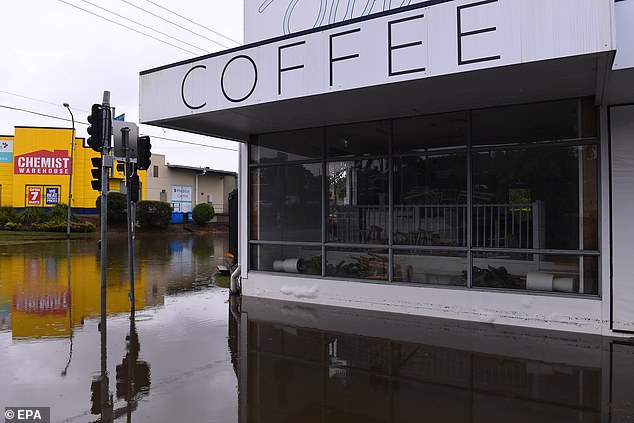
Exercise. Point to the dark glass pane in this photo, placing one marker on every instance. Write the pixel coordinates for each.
(279, 147)
(536, 198)
(430, 200)
(430, 267)
(286, 203)
(557, 120)
(430, 132)
(358, 209)
(358, 139)
(290, 259)
(357, 263)
(536, 272)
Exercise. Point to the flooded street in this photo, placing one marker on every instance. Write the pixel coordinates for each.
(193, 355)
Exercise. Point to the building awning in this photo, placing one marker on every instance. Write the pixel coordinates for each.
(578, 76)
(427, 58)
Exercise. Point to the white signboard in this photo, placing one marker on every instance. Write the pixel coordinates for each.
(182, 198)
(6, 151)
(418, 42)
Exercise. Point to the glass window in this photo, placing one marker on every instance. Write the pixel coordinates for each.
(552, 121)
(536, 272)
(357, 263)
(289, 259)
(430, 194)
(535, 198)
(431, 267)
(358, 210)
(527, 214)
(279, 147)
(358, 139)
(423, 133)
(286, 203)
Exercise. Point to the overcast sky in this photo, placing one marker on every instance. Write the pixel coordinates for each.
(53, 52)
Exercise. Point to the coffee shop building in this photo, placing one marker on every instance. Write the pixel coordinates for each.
(460, 159)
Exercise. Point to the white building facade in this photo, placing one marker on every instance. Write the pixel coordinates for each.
(460, 159)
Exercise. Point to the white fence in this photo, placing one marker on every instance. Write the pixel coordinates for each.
(494, 225)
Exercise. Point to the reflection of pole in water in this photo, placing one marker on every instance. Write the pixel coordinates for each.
(70, 309)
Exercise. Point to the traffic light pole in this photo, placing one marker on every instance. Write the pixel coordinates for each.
(125, 135)
(105, 145)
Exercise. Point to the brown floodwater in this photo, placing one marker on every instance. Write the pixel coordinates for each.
(192, 353)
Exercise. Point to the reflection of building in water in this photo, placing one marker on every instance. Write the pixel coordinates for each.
(305, 363)
(36, 299)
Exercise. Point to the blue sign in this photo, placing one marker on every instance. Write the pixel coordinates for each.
(52, 195)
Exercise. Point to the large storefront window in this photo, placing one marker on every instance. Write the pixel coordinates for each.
(499, 198)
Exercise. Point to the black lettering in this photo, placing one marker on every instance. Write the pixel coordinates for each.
(340, 58)
(391, 48)
(462, 35)
(255, 79)
(183, 88)
(280, 69)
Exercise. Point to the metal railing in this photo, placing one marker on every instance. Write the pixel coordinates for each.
(494, 225)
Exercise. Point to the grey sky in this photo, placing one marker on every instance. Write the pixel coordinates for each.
(54, 52)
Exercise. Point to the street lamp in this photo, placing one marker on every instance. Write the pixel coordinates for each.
(70, 178)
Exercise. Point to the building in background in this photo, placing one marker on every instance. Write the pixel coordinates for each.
(462, 159)
(35, 167)
(184, 186)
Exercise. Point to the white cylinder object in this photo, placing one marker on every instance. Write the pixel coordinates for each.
(540, 281)
(563, 284)
(278, 265)
(290, 265)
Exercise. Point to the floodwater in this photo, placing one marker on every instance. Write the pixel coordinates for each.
(192, 353)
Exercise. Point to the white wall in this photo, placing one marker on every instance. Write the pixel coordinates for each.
(622, 157)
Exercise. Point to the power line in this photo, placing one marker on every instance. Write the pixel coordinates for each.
(195, 23)
(143, 25)
(127, 27)
(39, 100)
(33, 112)
(38, 113)
(174, 23)
(191, 143)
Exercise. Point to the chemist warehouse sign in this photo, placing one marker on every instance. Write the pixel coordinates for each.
(42, 162)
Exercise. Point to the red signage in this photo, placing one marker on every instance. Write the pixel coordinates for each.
(34, 196)
(42, 162)
(42, 303)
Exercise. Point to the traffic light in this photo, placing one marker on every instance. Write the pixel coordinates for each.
(100, 127)
(134, 188)
(143, 153)
(96, 173)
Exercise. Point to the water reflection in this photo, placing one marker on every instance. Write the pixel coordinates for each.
(187, 355)
(316, 364)
(155, 366)
(36, 280)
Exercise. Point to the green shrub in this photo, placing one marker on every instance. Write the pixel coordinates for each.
(11, 226)
(203, 213)
(59, 226)
(7, 214)
(59, 213)
(153, 213)
(33, 215)
(117, 208)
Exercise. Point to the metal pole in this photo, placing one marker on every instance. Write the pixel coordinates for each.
(125, 136)
(70, 178)
(104, 223)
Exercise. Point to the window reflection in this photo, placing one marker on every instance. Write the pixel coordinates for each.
(286, 203)
(535, 198)
(485, 194)
(430, 195)
(358, 209)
